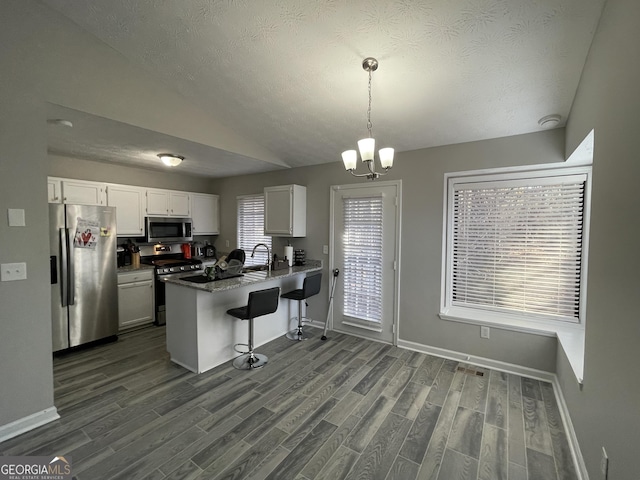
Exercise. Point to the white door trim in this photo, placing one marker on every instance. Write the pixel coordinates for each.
(398, 228)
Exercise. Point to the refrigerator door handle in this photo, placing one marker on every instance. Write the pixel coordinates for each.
(64, 267)
(72, 280)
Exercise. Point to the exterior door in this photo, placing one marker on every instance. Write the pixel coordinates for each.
(365, 248)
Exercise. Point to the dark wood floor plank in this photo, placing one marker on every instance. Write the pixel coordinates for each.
(366, 384)
(129, 413)
(466, 432)
(494, 461)
(531, 388)
(341, 464)
(205, 457)
(403, 469)
(378, 457)
(562, 455)
(302, 453)
(536, 428)
(435, 452)
(498, 399)
(250, 460)
(419, 436)
(330, 447)
(426, 373)
(540, 466)
(457, 466)
(369, 424)
(517, 449)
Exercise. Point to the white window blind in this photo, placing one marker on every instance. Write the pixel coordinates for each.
(251, 228)
(363, 258)
(516, 246)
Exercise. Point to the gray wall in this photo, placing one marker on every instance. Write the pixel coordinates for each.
(46, 58)
(422, 173)
(81, 169)
(607, 410)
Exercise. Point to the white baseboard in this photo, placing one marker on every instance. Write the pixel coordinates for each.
(479, 361)
(578, 459)
(30, 422)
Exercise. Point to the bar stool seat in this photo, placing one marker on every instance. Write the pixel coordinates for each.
(261, 302)
(310, 287)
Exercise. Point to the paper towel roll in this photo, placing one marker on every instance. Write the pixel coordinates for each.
(288, 253)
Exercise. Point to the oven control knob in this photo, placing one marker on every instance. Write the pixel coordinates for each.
(182, 268)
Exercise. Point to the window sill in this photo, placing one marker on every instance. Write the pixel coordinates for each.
(570, 336)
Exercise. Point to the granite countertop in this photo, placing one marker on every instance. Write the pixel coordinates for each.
(131, 268)
(248, 278)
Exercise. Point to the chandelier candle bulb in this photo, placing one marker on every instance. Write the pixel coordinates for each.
(386, 157)
(350, 159)
(367, 147)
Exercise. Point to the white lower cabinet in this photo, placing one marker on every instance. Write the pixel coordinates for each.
(135, 298)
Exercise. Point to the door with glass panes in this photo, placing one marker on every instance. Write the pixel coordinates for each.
(365, 228)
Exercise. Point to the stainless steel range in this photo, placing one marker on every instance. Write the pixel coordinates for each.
(168, 261)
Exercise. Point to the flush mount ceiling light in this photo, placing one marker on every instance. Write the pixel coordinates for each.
(550, 121)
(367, 145)
(60, 122)
(170, 159)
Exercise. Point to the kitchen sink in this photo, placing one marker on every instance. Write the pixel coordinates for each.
(256, 268)
(205, 279)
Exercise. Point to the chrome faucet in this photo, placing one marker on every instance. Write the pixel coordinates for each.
(268, 254)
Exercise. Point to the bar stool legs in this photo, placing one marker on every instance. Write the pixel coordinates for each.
(250, 359)
(298, 333)
(261, 302)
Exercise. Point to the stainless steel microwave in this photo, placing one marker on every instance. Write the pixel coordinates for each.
(168, 229)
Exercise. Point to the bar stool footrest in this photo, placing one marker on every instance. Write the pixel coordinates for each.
(249, 361)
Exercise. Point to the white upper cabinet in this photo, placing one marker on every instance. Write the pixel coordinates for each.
(179, 204)
(80, 192)
(205, 214)
(168, 202)
(129, 203)
(54, 190)
(285, 211)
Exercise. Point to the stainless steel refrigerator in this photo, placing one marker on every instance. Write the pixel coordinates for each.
(84, 283)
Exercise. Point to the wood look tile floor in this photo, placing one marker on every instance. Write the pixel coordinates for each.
(346, 408)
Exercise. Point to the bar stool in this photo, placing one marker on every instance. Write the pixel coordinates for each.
(261, 302)
(310, 287)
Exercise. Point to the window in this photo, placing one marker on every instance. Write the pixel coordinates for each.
(251, 228)
(363, 258)
(515, 245)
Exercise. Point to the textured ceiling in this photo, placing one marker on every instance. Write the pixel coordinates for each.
(288, 75)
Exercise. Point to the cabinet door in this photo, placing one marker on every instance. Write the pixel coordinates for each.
(53, 190)
(205, 214)
(135, 303)
(78, 192)
(278, 211)
(157, 202)
(129, 215)
(179, 204)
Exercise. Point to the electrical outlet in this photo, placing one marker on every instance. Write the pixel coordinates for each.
(227, 243)
(325, 249)
(13, 271)
(604, 464)
(484, 332)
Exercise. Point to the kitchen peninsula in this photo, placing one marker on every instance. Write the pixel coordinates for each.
(200, 334)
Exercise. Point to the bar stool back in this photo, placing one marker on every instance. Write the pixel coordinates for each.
(261, 302)
(310, 287)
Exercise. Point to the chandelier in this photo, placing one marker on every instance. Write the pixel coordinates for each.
(367, 145)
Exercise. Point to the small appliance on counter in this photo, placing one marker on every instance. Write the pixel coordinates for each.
(210, 251)
(186, 250)
(299, 258)
(197, 249)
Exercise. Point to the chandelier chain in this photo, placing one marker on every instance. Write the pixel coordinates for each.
(369, 125)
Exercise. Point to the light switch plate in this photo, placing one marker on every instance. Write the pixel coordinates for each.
(13, 271)
(484, 332)
(16, 217)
